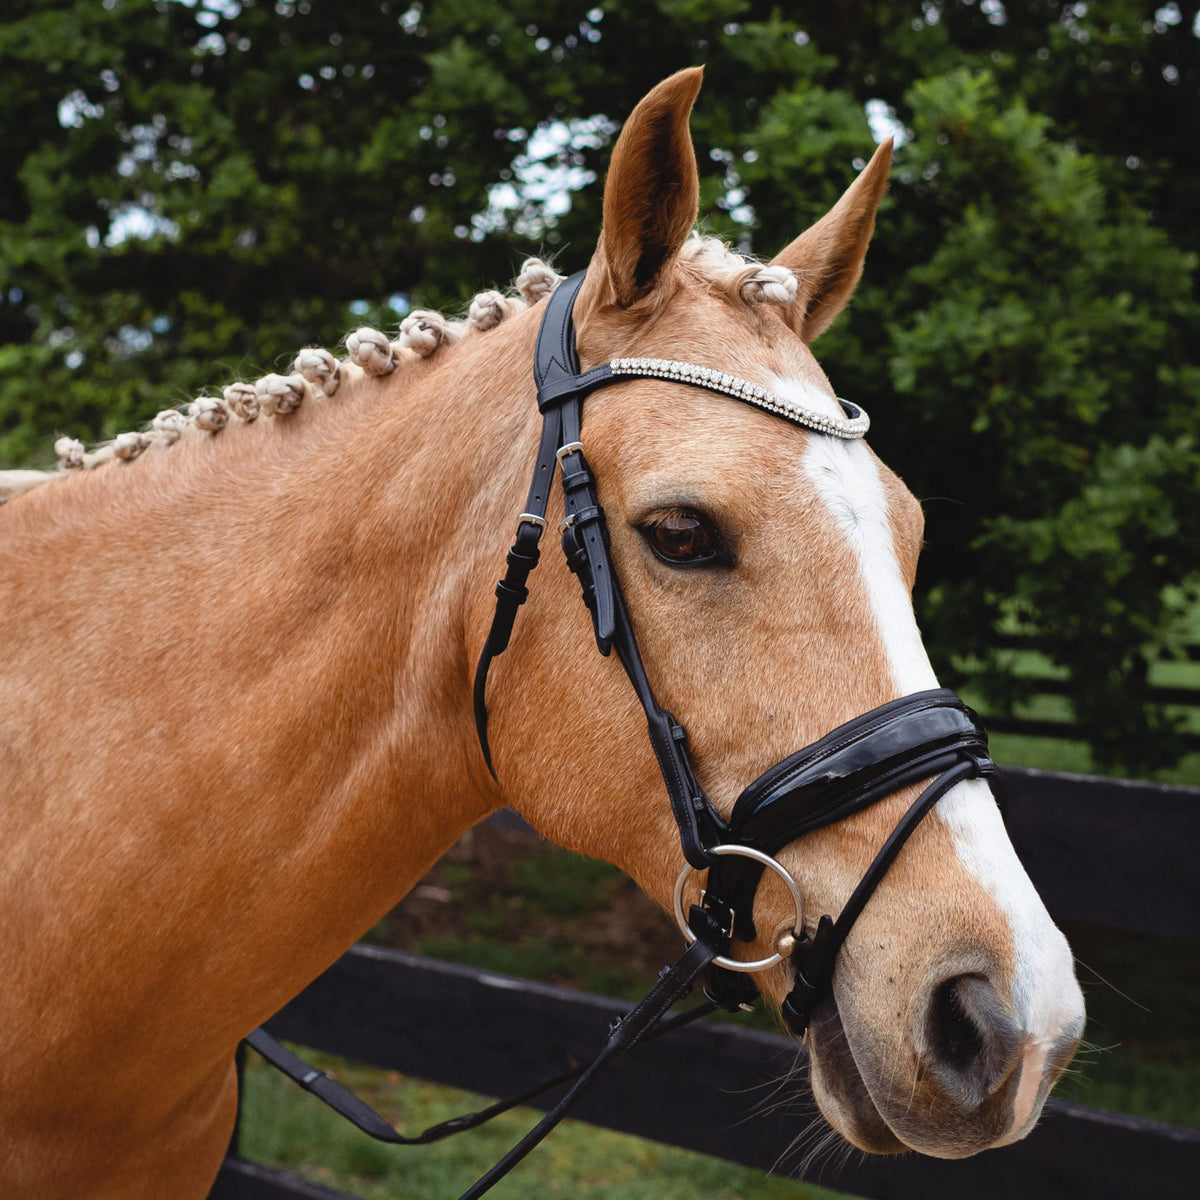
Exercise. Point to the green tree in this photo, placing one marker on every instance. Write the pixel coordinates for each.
(194, 188)
(1052, 329)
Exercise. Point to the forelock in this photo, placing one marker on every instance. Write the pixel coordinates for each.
(742, 280)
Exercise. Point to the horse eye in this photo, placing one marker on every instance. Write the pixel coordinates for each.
(681, 538)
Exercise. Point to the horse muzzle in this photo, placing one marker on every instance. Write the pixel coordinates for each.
(970, 1079)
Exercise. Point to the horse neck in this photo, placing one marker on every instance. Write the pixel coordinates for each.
(259, 693)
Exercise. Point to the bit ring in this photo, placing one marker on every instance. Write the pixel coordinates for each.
(735, 964)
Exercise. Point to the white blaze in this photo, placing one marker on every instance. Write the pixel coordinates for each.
(1046, 997)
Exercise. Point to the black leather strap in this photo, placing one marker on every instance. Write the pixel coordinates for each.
(554, 388)
(328, 1091)
(555, 362)
(356, 1110)
(562, 389)
(872, 756)
(673, 984)
(553, 359)
(815, 959)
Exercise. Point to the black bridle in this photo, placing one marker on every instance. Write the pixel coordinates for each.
(930, 735)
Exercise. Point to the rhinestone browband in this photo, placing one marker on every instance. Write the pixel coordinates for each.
(854, 425)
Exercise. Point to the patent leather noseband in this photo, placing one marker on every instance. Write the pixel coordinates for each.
(931, 735)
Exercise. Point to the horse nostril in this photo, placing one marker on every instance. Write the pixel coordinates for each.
(953, 1035)
(972, 1043)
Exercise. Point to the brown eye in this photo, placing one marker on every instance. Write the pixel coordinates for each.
(681, 538)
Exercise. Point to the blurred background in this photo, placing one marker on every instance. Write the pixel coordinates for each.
(193, 189)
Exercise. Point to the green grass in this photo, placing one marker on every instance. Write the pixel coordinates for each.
(532, 922)
(563, 885)
(1157, 1091)
(1060, 754)
(1066, 754)
(285, 1127)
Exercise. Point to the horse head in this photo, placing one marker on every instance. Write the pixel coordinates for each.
(768, 569)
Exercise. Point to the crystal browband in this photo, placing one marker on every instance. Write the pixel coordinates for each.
(854, 425)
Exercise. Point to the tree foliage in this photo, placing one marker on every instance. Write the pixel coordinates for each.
(197, 187)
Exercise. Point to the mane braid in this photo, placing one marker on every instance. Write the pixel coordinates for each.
(316, 374)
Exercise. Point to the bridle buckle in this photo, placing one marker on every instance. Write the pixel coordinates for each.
(568, 448)
(527, 518)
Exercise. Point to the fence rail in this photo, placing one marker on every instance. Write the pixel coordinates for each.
(1176, 696)
(1090, 845)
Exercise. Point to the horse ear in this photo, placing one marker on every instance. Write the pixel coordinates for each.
(828, 258)
(652, 192)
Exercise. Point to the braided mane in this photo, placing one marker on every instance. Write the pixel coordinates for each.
(316, 374)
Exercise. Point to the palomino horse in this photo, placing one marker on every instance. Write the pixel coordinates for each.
(236, 717)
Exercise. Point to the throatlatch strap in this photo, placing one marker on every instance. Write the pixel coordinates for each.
(522, 558)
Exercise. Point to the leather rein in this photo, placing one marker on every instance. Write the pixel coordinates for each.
(930, 735)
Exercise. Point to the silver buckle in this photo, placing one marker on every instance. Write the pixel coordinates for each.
(569, 448)
(531, 519)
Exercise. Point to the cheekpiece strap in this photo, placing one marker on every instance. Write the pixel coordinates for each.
(562, 388)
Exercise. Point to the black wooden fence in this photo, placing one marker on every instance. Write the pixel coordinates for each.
(1104, 851)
